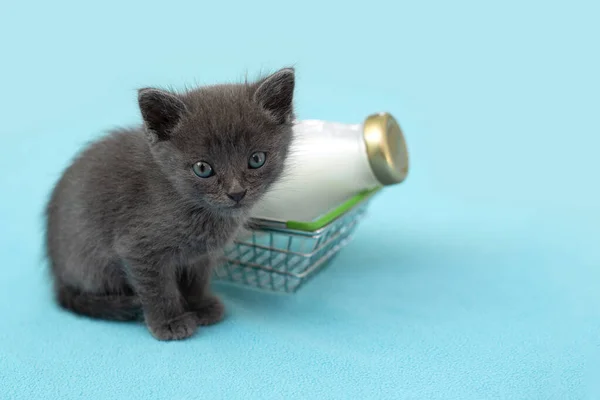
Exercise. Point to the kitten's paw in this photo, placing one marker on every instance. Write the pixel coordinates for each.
(178, 328)
(210, 312)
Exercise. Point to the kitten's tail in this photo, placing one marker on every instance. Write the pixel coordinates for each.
(110, 306)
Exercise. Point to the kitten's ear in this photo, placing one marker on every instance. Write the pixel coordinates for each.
(161, 112)
(275, 94)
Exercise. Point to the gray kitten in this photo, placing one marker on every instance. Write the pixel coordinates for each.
(136, 223)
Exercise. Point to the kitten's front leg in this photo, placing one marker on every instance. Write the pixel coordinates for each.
(194, 284)
(163, 305)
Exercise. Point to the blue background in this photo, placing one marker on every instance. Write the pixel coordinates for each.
(476, 278)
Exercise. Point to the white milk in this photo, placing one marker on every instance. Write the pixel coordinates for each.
(330, 162)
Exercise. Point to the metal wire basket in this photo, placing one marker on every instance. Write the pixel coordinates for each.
(283, 259)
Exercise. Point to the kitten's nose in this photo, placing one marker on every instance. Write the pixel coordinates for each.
(237, 196)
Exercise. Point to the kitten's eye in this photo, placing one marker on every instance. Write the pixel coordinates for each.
(257, 160)
(203, 169)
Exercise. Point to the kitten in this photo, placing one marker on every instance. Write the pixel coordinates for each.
(136, 222)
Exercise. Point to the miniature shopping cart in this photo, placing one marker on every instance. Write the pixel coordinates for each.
(281, 256)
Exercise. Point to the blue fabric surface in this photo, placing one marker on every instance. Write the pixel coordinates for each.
(477, 278)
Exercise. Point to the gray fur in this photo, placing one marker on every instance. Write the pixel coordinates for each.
(132, 232)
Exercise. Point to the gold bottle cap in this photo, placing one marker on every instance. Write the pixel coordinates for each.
(386, 148)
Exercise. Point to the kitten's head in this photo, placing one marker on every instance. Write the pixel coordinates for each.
(224, 145)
